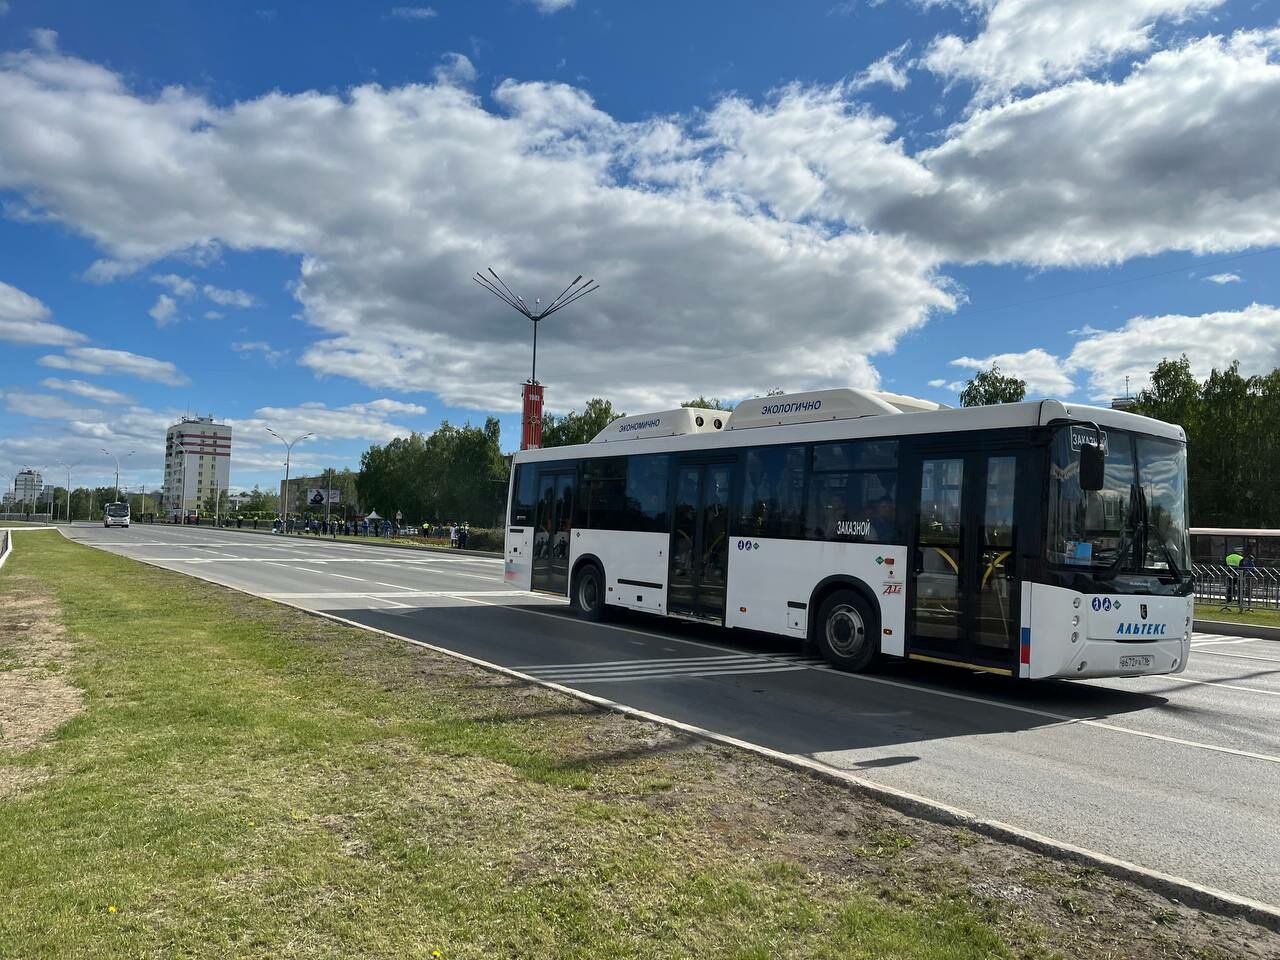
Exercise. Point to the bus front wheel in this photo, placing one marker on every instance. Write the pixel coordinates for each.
(846, 631)
(587, 596)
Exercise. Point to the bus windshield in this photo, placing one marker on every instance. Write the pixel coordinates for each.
(1136, 525)
(117, 509)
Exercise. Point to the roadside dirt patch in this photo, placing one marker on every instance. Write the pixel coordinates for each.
(35, 696)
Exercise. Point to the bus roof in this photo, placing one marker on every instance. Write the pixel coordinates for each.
(864, 419)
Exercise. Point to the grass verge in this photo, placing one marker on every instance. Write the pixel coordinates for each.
(1262, 618)
(213, 775)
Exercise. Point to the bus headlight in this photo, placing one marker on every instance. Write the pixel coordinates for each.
(1074, 636)
(1076, 603)
(1075, 621)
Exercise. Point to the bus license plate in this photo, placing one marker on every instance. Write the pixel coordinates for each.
(1128, 663)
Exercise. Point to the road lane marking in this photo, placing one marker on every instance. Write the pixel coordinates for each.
(688, 674)
(343, 576)
(392, 603)
(1238, 656)
(1064, 719)
(620, 663)
(400, 593)
(1220, 683)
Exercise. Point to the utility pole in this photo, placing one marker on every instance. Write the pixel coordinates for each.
(288, 451)
(531, 429)
(328, 495)
(68, 466)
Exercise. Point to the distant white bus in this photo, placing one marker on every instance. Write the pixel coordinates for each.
(868, 523)
(116, 515)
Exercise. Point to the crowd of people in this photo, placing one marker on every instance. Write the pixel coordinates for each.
(375, 527)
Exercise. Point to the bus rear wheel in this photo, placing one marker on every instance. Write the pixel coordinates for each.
(587, 596)
(847, 631)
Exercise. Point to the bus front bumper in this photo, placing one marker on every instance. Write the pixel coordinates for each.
(1109, 658)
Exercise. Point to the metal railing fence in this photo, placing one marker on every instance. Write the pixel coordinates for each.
(1242, 588)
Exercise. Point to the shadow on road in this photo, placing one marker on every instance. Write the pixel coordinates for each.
(798, 710)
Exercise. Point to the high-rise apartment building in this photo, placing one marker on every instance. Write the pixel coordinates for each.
(27, 486)
(197, 463)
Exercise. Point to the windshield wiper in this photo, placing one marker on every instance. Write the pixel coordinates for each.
(1168, 558)
(1128, 537)
(1147, 528)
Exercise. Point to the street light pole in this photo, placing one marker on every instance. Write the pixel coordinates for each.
(182, 487)
(288, 452)
(68, 466)
(117, 460)
(531, 428)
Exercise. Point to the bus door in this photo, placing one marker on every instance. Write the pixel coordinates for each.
(963, 597)
(700, 539)
(553, 523)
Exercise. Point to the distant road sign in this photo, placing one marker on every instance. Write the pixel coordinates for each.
(399, 515)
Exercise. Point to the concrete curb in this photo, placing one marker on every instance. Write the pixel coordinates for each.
(1229, 628)
(1177, 889)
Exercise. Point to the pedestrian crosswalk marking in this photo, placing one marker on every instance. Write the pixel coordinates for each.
(672, 668)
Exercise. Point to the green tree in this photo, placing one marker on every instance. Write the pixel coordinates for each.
(576, 427)
(261, 501)
(1233, 446)
(454, 474)
(216, 505)
(992, 386)
(709, 403)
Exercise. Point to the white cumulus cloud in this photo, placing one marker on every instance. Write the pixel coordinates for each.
(164, 310)
(697, 226)
(1043, 372)
(24, 319)
(1221, 278)
(99, 360)
(1032, 44)
(892, 70)
(413, 13)
(180, 286)
(229, 298)
(90, 391)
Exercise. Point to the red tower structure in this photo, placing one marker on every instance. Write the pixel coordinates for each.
(531, 425)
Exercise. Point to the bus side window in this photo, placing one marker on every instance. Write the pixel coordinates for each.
(524, 494)
(853, 492)
(646, 500)
(773, 493)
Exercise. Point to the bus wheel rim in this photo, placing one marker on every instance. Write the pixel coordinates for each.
(588, 592)
(846, 631)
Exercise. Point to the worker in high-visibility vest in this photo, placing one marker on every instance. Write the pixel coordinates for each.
(1234, 559)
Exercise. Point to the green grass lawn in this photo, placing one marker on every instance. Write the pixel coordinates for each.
(1265, 618)
(186, 771)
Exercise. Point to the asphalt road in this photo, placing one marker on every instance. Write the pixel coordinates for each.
(1177, 774)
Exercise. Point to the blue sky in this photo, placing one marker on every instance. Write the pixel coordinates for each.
(271, 212)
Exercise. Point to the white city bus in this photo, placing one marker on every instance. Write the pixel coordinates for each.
(115, 515)
(868, 523)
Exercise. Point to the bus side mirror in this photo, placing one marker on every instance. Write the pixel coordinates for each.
(1092, 467)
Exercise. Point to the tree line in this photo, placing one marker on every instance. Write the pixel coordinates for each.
(1232, 424)
(1233, 440)
(451, 475)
